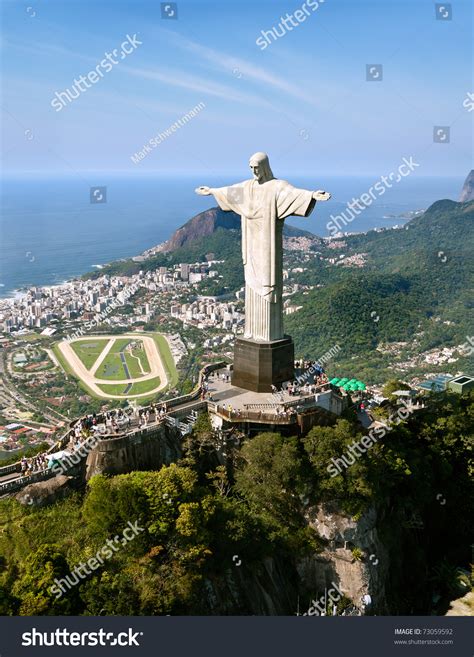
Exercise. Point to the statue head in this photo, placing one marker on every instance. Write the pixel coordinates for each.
(261, 167)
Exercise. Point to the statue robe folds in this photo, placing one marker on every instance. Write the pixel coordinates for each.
(263, 207)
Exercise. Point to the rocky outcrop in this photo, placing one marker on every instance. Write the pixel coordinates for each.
(467, 193)
(462, 606)
(354, 558)
(46, 492)
(203, 224)
(149, 449)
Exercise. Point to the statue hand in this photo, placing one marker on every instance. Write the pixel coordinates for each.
(203, 190)
(321, 196)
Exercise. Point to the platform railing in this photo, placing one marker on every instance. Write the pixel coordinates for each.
(238, 415)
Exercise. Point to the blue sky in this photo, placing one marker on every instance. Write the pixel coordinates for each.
(304, 99)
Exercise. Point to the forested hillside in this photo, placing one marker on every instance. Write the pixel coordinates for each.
(416, 283)
(206, 529)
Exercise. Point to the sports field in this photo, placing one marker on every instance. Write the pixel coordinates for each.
(126, 359)
(119, 367)
(88, 350)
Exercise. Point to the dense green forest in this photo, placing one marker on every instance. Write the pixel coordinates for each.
(201, 522)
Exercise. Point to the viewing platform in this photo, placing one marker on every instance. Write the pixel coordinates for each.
(298, 407)
(291, 411)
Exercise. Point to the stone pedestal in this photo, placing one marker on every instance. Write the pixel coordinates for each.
(259, 365)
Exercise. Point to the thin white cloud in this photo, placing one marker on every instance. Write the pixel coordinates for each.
(194, 83)
(243, 67)
(171, 77)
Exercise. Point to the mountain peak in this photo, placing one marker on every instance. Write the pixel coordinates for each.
(467, 193)
(201, 225)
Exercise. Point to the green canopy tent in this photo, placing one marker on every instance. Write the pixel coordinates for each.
(352, 385)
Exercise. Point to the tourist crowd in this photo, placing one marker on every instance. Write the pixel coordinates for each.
(35, 464)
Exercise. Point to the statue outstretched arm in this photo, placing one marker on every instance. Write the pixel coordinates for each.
(203, 190)
(321, 196)
(228, 198)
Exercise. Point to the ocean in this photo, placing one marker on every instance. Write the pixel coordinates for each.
(50, 231)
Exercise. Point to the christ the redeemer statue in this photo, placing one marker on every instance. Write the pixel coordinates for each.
(263, 203)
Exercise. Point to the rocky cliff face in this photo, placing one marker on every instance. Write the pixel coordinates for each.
(207, 222)
(467, 193)
(276, 588)
(355, 576)
(147, 450)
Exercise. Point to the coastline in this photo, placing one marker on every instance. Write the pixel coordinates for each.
(67, 237)
(18, 293)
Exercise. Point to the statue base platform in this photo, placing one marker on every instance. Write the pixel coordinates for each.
(259, 365)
